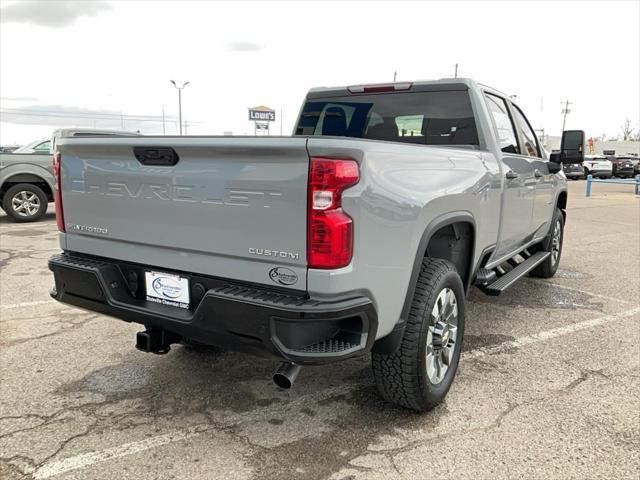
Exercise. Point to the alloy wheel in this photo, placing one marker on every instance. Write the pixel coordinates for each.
(25, 203)
(442, 335)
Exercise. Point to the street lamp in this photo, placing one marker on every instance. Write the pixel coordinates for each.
(179, 101)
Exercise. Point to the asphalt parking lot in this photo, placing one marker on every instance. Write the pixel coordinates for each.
(548, 385)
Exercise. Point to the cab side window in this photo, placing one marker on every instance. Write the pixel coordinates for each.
(530, 147)
(502, 121)
(42, 147)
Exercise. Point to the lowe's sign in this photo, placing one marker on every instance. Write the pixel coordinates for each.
(262, 114)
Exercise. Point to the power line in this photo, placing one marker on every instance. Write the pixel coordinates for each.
(86, 115)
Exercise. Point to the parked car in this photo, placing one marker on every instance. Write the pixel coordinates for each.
(573, 171)
(636, 164)
(42, 145)
(361, 233)
(623, 166)
(26, 175)
(598, 166)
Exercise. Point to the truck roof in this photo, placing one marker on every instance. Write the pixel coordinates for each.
(418, 85)
(415, 86)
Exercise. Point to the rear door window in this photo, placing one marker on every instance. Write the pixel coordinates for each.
(529, 138)
(428, 118)
(502, 121)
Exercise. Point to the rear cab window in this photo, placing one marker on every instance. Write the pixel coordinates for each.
(42, 147)
(425, 118)
(502, 121)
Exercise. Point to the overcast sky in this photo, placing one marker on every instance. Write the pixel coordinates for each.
(102, 59)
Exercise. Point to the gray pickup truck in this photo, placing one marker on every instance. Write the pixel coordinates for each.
(362, 232)
(26, 175)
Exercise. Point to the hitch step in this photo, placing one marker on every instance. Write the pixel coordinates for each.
(509, 278)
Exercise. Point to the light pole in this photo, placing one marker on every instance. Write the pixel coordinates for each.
(180, 101)
(565, 111)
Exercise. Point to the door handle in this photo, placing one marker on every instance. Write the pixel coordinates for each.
(511, 175)
(538, 173)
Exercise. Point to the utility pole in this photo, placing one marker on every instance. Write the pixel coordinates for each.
(395, 74)
(280, 121)
(455, 75)
(565, 111)
(163, 128)
(180, 101)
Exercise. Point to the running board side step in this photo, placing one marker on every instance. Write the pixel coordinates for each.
(509, 278)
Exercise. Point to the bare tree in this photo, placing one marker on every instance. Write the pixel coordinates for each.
(627, 130)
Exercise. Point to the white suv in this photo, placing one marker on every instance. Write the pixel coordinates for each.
(598, 166)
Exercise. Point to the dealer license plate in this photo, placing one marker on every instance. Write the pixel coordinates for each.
(167, 289)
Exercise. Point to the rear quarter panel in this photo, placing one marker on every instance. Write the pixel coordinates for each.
(403, 188)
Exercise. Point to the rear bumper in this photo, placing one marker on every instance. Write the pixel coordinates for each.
(576, 174)
(601, 173)
(257, 320)
(627, 172)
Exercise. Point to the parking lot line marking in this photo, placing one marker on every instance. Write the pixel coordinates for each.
(87, 459)
(26, 304)
(549, 334)
(84, 460)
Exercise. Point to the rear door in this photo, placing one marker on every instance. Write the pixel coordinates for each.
(519, 182)
(543, 180)
(225, 207)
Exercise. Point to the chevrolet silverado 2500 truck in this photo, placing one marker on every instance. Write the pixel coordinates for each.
(361, 233)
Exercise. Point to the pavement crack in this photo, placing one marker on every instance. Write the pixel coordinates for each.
(64, 443)
(66, 327)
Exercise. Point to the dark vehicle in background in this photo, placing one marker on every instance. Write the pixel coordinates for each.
(573, 171)
(622, 166)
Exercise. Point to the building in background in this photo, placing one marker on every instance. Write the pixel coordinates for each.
(620, 147)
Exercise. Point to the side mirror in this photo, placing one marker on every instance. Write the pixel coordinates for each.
(572, 146)
(554, 167)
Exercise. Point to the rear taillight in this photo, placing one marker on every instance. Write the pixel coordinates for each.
(329, 229)
(57, 196)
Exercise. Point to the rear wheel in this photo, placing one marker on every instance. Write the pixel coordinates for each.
(25, 202)
(553, 245)
(419, 374)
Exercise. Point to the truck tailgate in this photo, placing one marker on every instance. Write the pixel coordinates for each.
(230, 207)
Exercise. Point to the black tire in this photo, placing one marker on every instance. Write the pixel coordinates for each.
(38, 205)
(548, 268)
(402, 377)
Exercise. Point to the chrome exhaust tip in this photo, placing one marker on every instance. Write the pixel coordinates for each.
(286, 375)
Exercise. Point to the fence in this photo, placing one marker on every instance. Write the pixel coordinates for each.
(634, 181)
